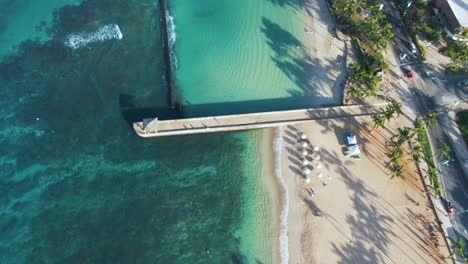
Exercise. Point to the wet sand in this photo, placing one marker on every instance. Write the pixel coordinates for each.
(273, 189)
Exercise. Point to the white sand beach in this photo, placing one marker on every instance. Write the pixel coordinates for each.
(367, 216)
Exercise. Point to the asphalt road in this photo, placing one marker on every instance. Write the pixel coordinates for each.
(431, 94)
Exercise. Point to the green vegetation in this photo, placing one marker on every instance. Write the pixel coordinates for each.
(430, 119)
(458, 52)
(444, 152)
(421, 49)
(367, 24)
(363, 81)
(365, 21)
(462, 121)
(432, 29)
(394, 109)
(420, 20)
(459, 248)
(420, 147)
(432, 171)
(359, 53)
(396, 152)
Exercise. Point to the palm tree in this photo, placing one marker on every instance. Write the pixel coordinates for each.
(431, 119)
(459, 247)
(444, 152)
(436, 189)
(416, 152)
(396, 106)
(379, 121)
(388, 114)
(359, 4)
(371, 83)
(355, 92)
(343, 9)
(397, 170)
(419, 127)
(433, 175)
(396, 154)
(404, 134)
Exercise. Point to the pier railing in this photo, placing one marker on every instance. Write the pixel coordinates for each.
(157, 128)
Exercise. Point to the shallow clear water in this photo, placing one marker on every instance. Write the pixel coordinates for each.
(241, 56)
(78, 186)
(25, 19)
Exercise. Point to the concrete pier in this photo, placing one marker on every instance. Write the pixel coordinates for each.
(159, 128)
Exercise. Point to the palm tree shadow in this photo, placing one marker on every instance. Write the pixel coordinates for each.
(294, 4)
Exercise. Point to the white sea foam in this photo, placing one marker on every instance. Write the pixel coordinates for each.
(107, 32)
(171, 34)
(283, 237)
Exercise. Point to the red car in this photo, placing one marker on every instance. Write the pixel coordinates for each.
(408, 73)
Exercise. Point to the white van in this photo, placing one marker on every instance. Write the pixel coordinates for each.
(413, 48)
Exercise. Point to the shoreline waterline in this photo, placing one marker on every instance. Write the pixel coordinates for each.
(283, 215)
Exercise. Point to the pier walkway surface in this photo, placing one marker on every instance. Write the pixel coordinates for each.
(158, 128)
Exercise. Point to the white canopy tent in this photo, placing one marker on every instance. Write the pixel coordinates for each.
(353, 150)
(351, 139)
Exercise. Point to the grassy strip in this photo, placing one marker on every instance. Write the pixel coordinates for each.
(427, 149)
(424, 139)
(420, 47)
(462, 122)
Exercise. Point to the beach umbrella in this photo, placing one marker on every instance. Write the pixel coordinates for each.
(303, 144)
(316, 148)
(320, 175)
(305, 170)
(307, 179)
(304, 152)
(318, 166)
(317, 157)
(305, 161)
(302, 135)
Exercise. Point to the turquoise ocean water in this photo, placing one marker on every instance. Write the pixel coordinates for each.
(78, 186)
(242, 56)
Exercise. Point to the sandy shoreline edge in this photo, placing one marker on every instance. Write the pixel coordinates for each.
(288, 214)
(270, 158)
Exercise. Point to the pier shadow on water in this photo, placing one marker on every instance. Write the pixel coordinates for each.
(252, 106)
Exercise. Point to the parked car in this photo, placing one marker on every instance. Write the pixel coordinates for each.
(409, 73)
(413, 48)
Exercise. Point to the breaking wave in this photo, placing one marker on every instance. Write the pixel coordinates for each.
(171, 34)
(283, 237)
(107, 32)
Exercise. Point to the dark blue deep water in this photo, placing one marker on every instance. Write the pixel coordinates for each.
(76, 184)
